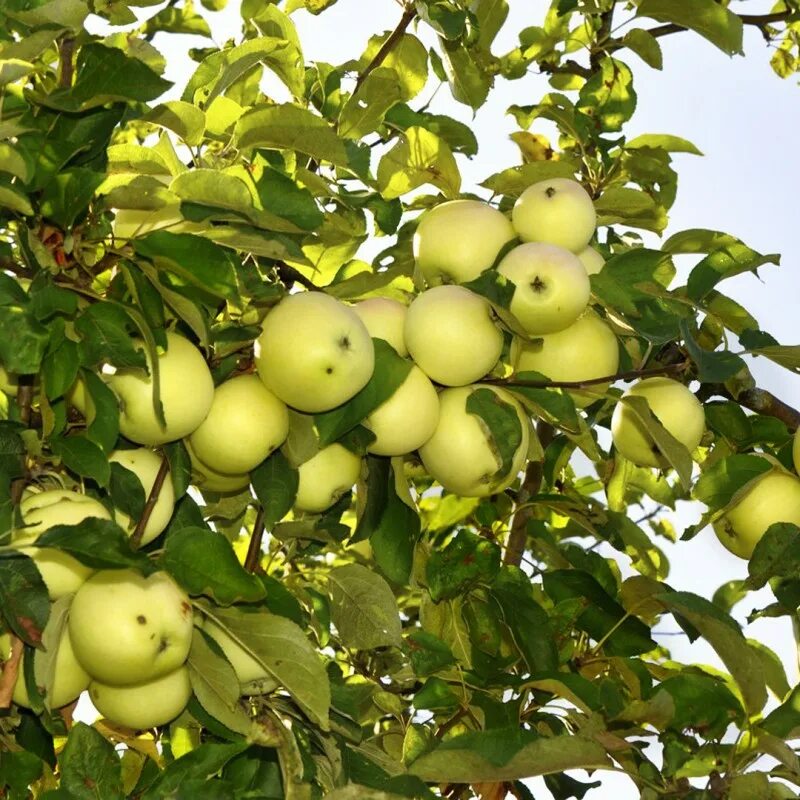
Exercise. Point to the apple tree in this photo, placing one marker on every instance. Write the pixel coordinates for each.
(320, 469)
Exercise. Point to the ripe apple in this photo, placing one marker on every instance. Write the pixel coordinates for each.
(775, 497)
(207, 479)
(456, 241)
(586, 349)
(676, 408)
(407, 419)
(462, 455)
(552, 287)
(126, 628)
(451, 335)
(325, 477)
(385, 319)
(796, 451)
(592, 261)
(186, 390)
(314, 352)
(145, 704)
(245, 424)
(248, 670)
(145, 464)
(557, 211)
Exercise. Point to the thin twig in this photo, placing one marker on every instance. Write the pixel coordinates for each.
(253, 557)
(24, 403)
(10, 672)
(152, 499)
(289, 275)
(66, 68)
(391, 42)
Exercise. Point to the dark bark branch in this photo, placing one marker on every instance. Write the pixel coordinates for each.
(391, 42)
(289, 275)
(763, 402)
(152, 499)
(568, 67)
(66, 68)
(25, 402)
(602, 38)
(253, 557)
(10, 672)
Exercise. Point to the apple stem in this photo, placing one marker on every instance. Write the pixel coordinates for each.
(10, 672)
(253, 557)
(152, 499)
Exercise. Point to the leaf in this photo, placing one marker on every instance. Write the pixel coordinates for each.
(645, 45)
(719, 484)
(776, 555)
(103, 427)
(275, 484)
(469, 82)
(608, 97)
(663, 141)
(429, 654)
(182, 118)
(22, 340)
(44, 660)
(282, 196)
(367, 106)
(24, 602)
(701, 701)
(503, 422)
(105, 335)
(632, 207)
(12, 198)
(468, 559)
(68, 195)
(515, 180)
(89, 766)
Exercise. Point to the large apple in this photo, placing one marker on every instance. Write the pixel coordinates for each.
(126, 628)
(462, 454)
(314, 352)
(245, 424)
(675, 407)
(207, 479)
(325, 477)
(456, 241)
(557, 211)
(385, 319)
(248, 670)
(186, 392)
(551, 286)
(451, 335)
(592, 260)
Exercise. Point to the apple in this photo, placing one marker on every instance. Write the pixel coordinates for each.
(774, 497)
(127, 628)
(186, 391)
(314, 352)
(145, 464)
(592, 260)
(456, 241)
(407, 419)
(245, 424)
(385, 319)
(451, 335)
(552, 287)
(144, 704)
(586, 349)
(796, 451)
(207, 479)
(248, 670)
(676, 408)
(462, 455)
(79, 398)
(325, 477)
(557, 211)
(9, 383)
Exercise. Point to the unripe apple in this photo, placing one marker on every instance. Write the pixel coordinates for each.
(325, 477)
(207, 479)
(796, 451)
(126, 628)
(186, 392)
(675, 407)
(248, 670)
(462, 455)
(451, 335)
(314, 352)
(558, 211)
(79, 398)
(552, 287)
(245, 424)
(385, 319)
(407, 419)
(592, 260)
(456, 241)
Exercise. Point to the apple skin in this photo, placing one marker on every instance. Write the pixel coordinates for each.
(314, 352)
(407, 419)
(456, 241)
(775, 497)
(127, 629)
(187, 391)
(245, 424)
(557, 211)
(451, 335)
(145, 704)
(384, 319)
(325, 477)
(678, 410)
(207, 479)
(248, 670)
(461, 455)
(592, 260)
(552, 287)
(796, 451)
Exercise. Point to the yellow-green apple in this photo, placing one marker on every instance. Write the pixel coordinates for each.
(462, 455)
(551, 286)
(314, 352)
(557, 211)
(325, 477)
(675, 407)
(592, 260)
(127, 628)
(210, 480)
(796, 451)
(248, 670)
(186, 392)
(384, 319)
(456, 241)
(245, 424)
(9, 383)
(451, 335)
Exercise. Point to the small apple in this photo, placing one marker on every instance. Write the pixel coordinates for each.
(462, 455)
(796, 451)
(552, 287)
(592, 260)
(186, 392)
(314, 352)
(385, 319)
(126, 628)
(451, 335)
(325, 477)
(248, 670)
(557, 211)
(207, 479)
(456, 241)
(245, 424)
(675, 407)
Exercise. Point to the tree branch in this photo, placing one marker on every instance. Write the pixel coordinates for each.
(152, 499)
(24, 402)
(289, 275)
(66, 68)
(391, 42)
(763, 402)
(253, 557)
(10, 672)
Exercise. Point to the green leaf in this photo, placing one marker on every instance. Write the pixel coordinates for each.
(173, 19)
(180, 117)
(103, 425)
(22, 340)
(429, 654)
(645, 45)
(503, 422)
(366, 107)
(632, 207)
(458, 136)
(701, 701)
(467, 560)
(776, 555)
(720, 483)
(89, 766)
(608, 97)
(13, 198)
(24, 602)
(68, 195)
(280, 195)
(60, 364)
(83, 457)
(105, 330)
(469, 82)
(275, 484)
(515, 180)
(663, 141)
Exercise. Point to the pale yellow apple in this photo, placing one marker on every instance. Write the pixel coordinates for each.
(385, 319)
(592, 260)
(314, 352)
(551, 287)
(675, 407)
(557, 211)
(407, 419)
(186, 392)
(456, 241)
(126, 628)
(9, 382)
(248, 670)
(325, 477)
(796, 451)
(207, 479)
(245, 424)
(144, 704)
(462, 454)
(451, 335)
